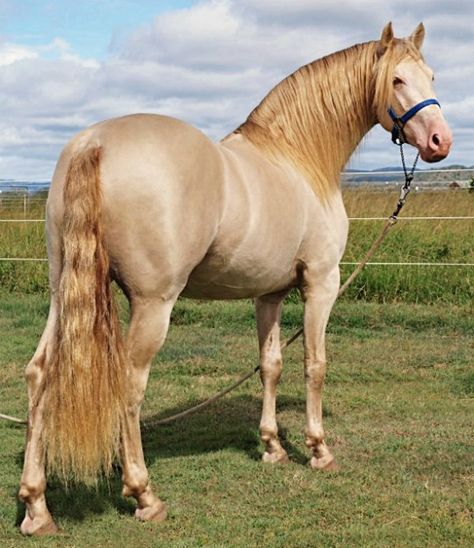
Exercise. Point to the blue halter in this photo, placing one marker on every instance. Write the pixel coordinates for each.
(398, 136)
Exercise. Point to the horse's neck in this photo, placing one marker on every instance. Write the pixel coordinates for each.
(317, 116)
(353, 119)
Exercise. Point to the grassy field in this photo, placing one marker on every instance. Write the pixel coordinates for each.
(398, 405)
(398, 413)
(411, 241)
(433, 241)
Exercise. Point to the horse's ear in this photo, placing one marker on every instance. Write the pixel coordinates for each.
(386, 39)
(418, 36)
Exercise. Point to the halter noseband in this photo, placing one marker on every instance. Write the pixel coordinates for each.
(398, 135)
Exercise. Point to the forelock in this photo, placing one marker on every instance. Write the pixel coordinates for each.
(399, 50)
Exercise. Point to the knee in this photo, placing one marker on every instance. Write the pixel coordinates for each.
(315, 372)
(271, 368)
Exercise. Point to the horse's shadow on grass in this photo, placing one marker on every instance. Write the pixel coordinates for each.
(230, 423)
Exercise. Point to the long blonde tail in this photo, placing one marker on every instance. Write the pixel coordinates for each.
(84, 388)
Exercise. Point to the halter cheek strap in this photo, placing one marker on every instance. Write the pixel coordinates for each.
(398, 136)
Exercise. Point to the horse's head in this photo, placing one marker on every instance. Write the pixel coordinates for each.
(404, 98)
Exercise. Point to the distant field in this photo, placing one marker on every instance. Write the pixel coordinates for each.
(411, 241)
(398, 409)
(426, 241)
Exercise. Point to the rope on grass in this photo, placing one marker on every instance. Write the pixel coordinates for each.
(12, 419)
(22, 220)
(24, 259)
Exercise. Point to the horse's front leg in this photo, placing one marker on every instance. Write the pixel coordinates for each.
(268, 310)
(319, 293)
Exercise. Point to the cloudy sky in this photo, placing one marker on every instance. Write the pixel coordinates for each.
(66, 64)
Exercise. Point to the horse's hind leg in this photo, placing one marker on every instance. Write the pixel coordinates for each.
(37, 519)
(148, 328)
(319, 294)
(268, 311)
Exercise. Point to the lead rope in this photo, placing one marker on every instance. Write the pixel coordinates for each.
(391, 221)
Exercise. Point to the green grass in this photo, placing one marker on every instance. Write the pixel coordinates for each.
(425, 241)
(398, 415)
(410, 241)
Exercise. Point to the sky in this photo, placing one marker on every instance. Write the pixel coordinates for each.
(66, 64)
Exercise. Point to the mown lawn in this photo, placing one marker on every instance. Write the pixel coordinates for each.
(398, 414)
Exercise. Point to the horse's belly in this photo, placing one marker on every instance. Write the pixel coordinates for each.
(252, 277)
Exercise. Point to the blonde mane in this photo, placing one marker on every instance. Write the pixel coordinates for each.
(316, 117)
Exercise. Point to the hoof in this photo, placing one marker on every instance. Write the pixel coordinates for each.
(279, 457)
(38, 527)
(327, 464)
(156, 512)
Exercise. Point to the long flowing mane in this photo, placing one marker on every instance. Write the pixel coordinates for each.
(316, 117)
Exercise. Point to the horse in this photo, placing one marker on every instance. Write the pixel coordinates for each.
(151, 203)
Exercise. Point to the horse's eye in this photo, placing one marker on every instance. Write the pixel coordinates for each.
(397, 81)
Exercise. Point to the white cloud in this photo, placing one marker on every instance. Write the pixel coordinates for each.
(210, 65)
(12, 53)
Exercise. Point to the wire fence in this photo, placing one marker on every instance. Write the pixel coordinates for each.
(427, 218)
(348, 263)
(26, 198)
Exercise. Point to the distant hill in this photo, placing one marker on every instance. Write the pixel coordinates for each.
(436, 176)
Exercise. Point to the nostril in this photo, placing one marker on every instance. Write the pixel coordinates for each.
(435, 139)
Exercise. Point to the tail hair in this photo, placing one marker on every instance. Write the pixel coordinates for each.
(84, 386)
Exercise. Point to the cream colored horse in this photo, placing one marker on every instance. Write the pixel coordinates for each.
(151, 202)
